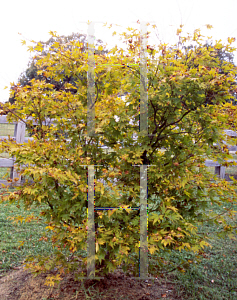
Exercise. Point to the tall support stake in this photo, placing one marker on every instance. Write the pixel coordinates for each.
(143, 82)
(143, 168)
(91, 82)
(143, 223)
(91, 225)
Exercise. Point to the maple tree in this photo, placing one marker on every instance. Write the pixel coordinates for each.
(34, 72)
(180, 81)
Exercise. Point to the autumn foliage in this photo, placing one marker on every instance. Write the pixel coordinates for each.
(186, 90)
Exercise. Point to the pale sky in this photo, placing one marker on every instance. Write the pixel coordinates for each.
(34, 20)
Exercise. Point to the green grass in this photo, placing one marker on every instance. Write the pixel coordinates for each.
(8, 129)
(11, 233)
(4, 172)
(5, 130)
(212, 273)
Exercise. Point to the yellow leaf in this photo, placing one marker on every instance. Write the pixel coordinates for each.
(101, 242)
(187, 193)
(21, 243)
(49, 227)
(110, 212)
(56, 45)
(187, 245)
(165, 242)
(209, 26)
(172, 208)
(152, 249)
(231, 40)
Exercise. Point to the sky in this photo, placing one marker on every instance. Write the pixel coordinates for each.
(34, 19)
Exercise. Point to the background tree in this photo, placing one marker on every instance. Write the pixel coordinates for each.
(34, 72)
(179, 195)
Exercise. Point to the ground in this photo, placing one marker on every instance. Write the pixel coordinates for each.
(20, 284)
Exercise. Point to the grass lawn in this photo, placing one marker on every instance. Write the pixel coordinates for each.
(8, 129)
(5, 130)
(4, 172)
(213, 273)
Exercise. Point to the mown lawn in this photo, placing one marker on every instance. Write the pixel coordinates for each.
(8, 129)
(213, 272)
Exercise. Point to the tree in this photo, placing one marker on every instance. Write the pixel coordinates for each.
(33, 71)
(221, 55)
(224, 58)
(179, 196)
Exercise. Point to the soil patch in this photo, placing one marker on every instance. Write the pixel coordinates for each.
(21, 285)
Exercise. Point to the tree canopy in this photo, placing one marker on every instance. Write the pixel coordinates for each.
(34, 72)
(180, 189)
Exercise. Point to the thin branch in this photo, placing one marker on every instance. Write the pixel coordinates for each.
(11, 111)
